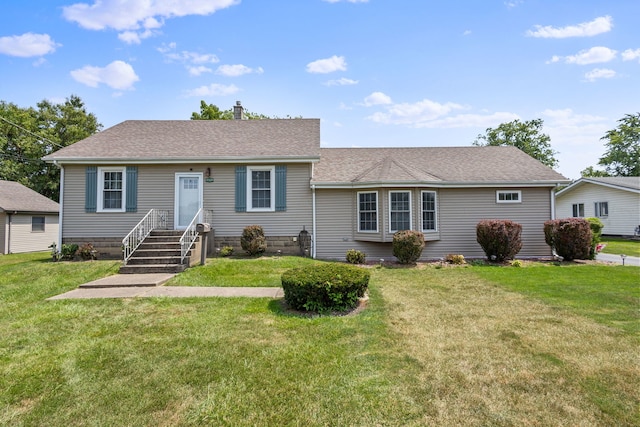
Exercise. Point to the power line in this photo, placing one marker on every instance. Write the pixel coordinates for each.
(31, 133)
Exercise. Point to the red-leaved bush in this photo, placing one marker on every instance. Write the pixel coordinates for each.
(499, 238)
(570, 238)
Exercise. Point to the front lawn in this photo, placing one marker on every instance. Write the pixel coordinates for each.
(435, 346)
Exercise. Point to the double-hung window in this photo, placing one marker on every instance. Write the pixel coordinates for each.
(578, 210)
(111, 189)
(399, 211)
(260, 188)
(429, 211)
(37, 224)
(368, 211)
(602, 209)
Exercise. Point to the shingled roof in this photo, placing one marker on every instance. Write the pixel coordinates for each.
(15, 197)
(198, 140)
(625, 183)
(432, 165)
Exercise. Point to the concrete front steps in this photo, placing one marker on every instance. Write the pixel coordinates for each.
(158, 253)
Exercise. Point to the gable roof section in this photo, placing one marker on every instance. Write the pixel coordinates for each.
(15, 197)
(436, 166)
(164, 141)
(624, 183)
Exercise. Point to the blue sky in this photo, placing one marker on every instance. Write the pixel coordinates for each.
(376, 72)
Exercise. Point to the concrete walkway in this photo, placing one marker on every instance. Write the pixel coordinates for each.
(150, 285)
(629, 260)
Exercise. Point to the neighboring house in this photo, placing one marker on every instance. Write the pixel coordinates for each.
(273, 173)
(28, 220)
(615, 200)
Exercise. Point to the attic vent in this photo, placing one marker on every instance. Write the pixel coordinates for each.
(238, 111)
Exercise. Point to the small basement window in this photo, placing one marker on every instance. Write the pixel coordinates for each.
(37, 224)
(509, 196)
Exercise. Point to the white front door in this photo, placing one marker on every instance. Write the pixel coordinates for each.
(188, 198)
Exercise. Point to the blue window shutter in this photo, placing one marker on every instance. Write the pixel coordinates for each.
(281, 188)
(132, 189)
(91, 189)
(241, 188)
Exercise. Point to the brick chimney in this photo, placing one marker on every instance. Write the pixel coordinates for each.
(238, 111)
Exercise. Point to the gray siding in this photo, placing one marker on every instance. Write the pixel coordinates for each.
(24, 240)
(624, 207)
(459, 211)
(156, 191)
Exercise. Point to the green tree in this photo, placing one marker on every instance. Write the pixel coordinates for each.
(622, 157)
(213, 112)
(527, 136)
(28, 134)
(591, 172)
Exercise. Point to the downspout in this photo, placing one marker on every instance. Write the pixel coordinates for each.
(313, 221)
(8, 248)
(61, 198)
(553, 201)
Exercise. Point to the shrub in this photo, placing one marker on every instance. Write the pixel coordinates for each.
(570, 238)
(500, 239)
(355, 257)
(87, 252)
(226, 251)
(516, 263)
(253, 241)
(407, 246)
(455, 259)
(596, 233)
(68, 251)
(325, 287)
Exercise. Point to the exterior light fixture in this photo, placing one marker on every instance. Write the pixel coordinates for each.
(623, 256)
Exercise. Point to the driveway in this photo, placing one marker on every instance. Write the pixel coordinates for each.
(629, 260)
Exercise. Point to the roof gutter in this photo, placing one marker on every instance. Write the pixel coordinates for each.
(181, 160)
(444, 184)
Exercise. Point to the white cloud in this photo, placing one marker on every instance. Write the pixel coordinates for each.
(28, 45)
(630, 54)
(213, 89)
(377, 98)
(513, 3)
(328, 65)
(117, 75)
(599, 73)
(599, 25)
(594, 55)
(137, 15)
(132, 37)
(576, 137)
(470, 120)
(237, 70)
(341, 82)
(466, 33)
(198, 70)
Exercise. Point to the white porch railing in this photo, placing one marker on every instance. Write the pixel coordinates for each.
(155, 218)
(190, 235)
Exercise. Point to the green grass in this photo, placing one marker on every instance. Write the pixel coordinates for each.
(451, 346)
(619, 246)
(240, 271)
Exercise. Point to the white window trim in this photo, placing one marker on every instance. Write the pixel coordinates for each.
(377, 211)
(435, 219)
(575, 208)
(518, 192)
(101, 172)
(410, 210)
(272, 188)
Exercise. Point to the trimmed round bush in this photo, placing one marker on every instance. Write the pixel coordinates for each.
(252, 240)
(408, 246)
(569, 237)
(355, 256)
(499, 238)
(324, 287)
